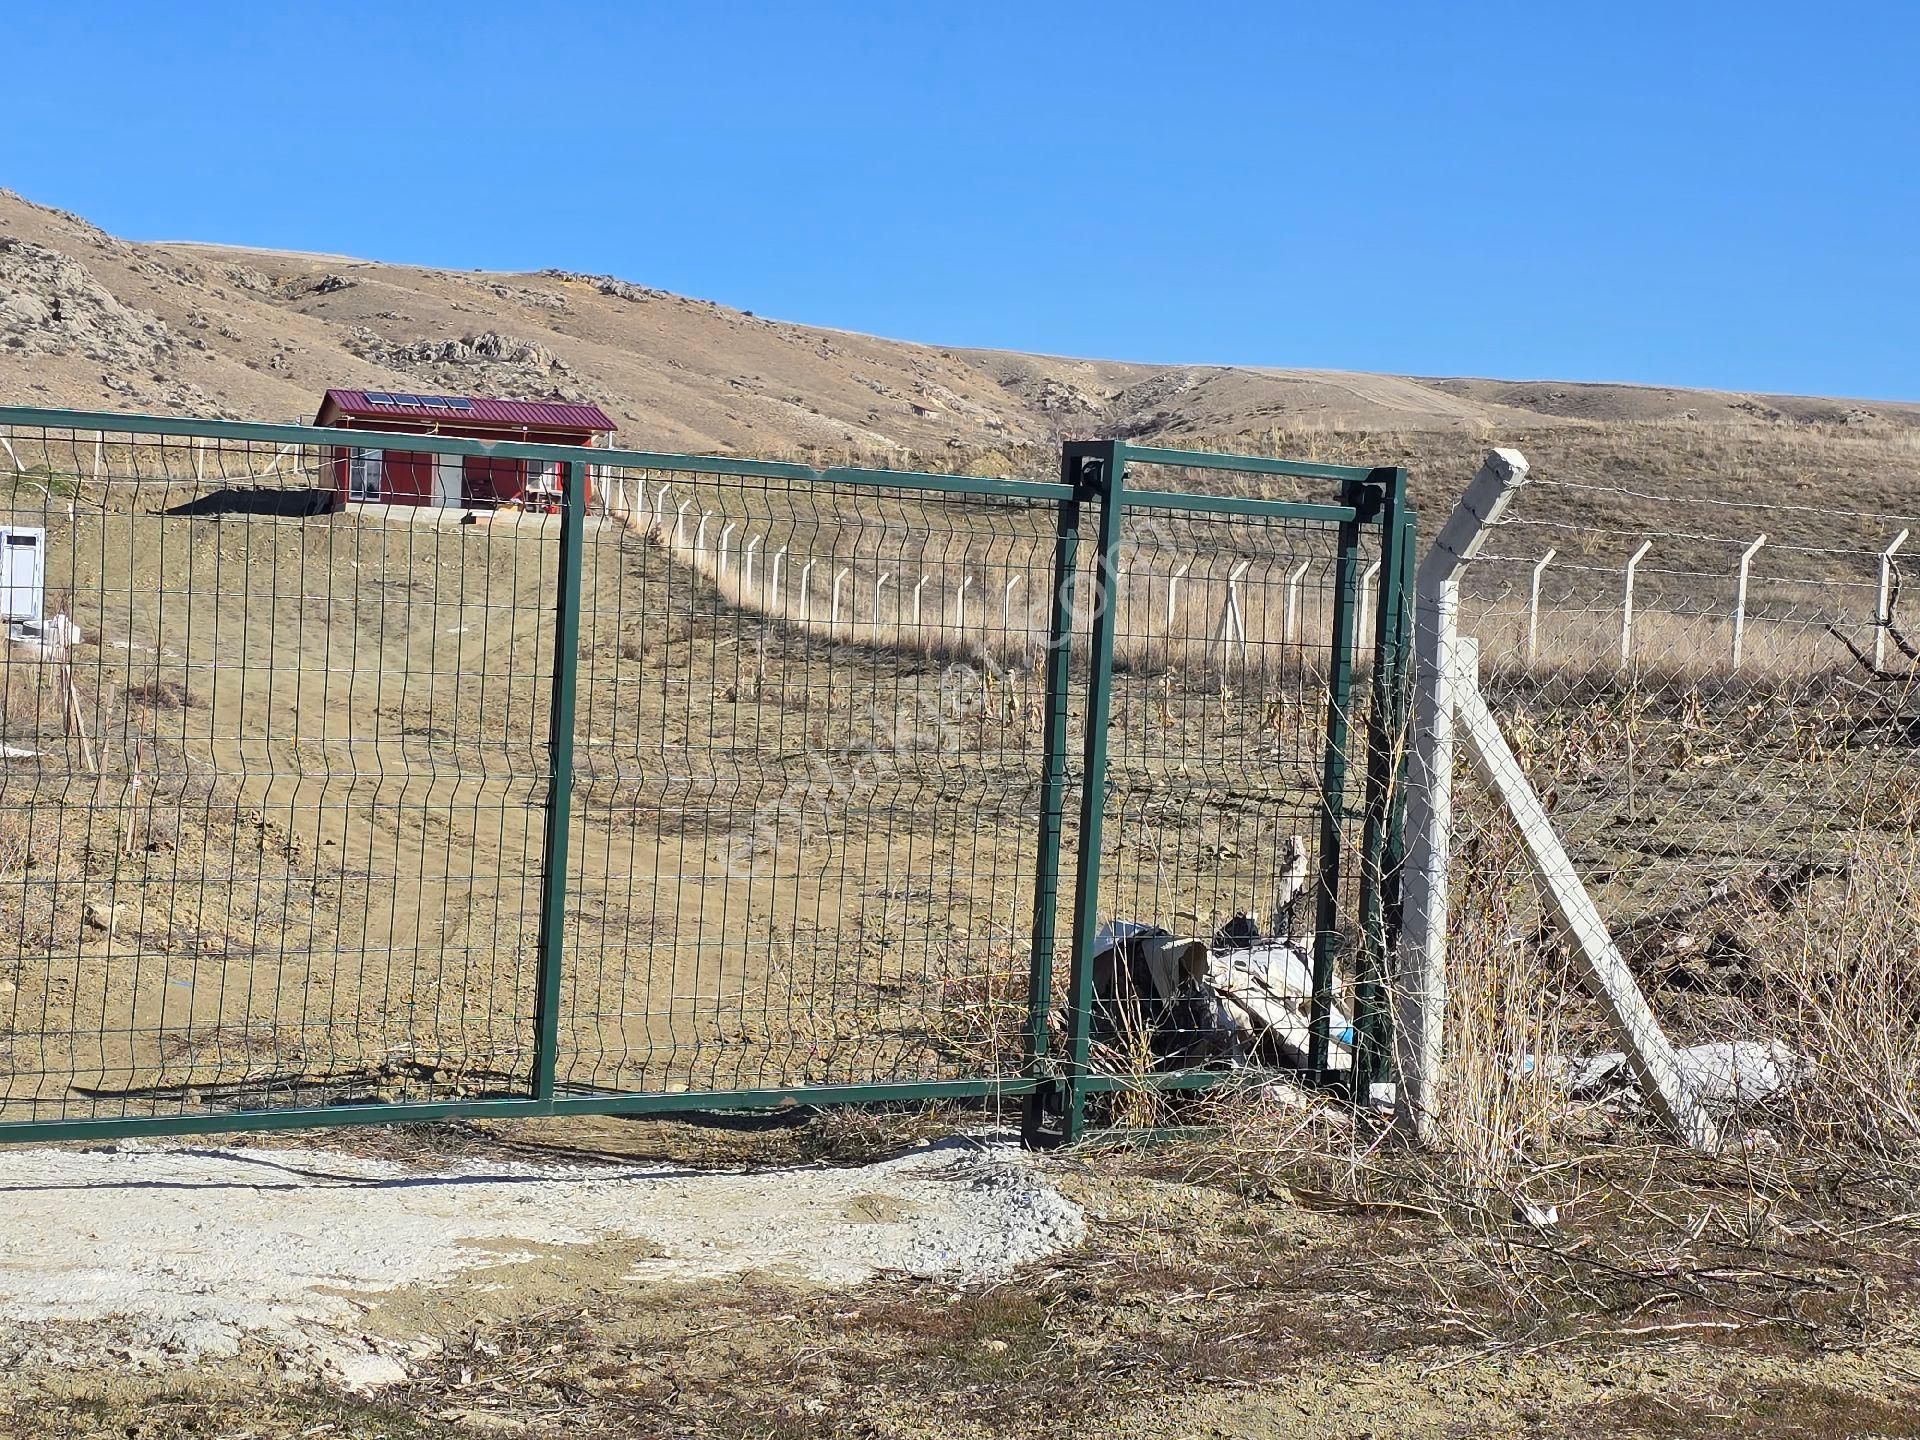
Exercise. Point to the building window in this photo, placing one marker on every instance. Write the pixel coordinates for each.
(363, 475)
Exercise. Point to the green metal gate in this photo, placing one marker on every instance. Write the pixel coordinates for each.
(1164, 737)
(732, 784)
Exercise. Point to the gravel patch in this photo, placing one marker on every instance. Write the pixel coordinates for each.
(187, 1250)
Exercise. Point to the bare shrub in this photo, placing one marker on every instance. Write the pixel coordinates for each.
(158, 694)
(1843, 986)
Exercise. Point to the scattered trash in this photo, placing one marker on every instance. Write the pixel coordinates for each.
(1541, 1217)
(1724, 1075)
(1243, 997)
(51, 638)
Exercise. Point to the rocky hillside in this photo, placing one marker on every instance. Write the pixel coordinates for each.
(89, 320)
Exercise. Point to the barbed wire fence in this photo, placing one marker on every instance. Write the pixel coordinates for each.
(1713, 697)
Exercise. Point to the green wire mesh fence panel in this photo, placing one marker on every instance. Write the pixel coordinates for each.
(335, 789)
(270, 803)
(1240, 766)
(418, 777)
(808, 770)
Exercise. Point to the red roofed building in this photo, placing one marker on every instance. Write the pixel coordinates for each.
(390, 475)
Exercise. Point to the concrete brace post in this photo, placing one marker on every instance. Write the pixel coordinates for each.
(1602, 968)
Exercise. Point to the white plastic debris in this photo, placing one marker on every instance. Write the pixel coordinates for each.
(1269, 988)
(1530, 1212)
(53, 636)
(1724, 1074)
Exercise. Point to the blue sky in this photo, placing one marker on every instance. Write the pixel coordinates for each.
(1708, 194)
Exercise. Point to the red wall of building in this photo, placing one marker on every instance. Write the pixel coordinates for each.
(406, 476)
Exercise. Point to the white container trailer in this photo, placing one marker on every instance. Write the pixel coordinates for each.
(23, 572)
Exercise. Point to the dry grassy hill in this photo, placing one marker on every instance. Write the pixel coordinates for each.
(89, 320)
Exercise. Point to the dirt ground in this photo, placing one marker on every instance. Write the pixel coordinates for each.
(1215, 1295)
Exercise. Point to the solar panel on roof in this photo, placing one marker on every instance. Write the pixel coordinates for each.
(406, 399)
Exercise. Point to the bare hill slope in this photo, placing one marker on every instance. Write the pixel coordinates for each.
(90, 320)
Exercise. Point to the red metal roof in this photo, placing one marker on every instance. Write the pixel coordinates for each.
(456, 410)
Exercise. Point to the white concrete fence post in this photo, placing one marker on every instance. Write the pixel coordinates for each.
(879, 586)
(1362, 636)
(1446, 695)
(806, 588)
(1006, 603)
(1626, 604)
(1420, 990)
(1292, 622)
(1740, 599)
(776, 599)
(1233, 628)
(1173, 592)
(700, 538)
(1533, 604)
(746, 568)
(960, 608)
(1883, 611)
(920, 585)
(833, 614)
(720, 547)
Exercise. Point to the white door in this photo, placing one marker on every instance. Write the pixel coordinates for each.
(446, 479)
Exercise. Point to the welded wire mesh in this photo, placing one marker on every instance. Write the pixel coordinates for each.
(294, 730)
(275, 802)
(809, 756)
(1714, 692)
(272, 783)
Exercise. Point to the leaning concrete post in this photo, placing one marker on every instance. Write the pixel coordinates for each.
(1603, 970)
(1420, 991)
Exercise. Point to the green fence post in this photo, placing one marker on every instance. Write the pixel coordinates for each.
(553, 870)
(1053, 782)
(1333, 779)
(1385, 716)
(1099, 471)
